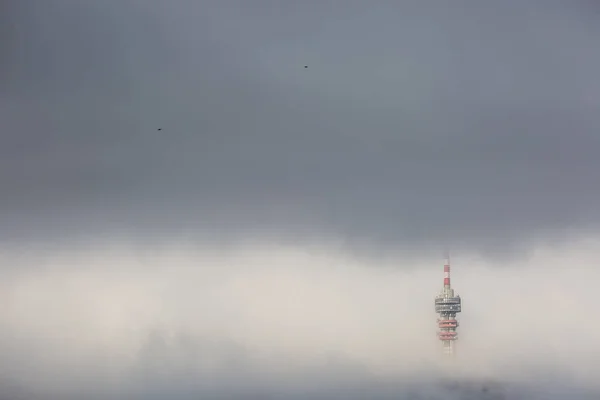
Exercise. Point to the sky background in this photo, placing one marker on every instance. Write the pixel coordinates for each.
(472, 125)
(417, 126)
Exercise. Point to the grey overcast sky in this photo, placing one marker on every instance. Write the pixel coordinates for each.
(417, 125)
(473, 124)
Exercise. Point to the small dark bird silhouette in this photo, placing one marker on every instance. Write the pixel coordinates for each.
(306, 66)
(160, 129)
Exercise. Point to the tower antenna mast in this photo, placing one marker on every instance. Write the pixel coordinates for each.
(447, 305)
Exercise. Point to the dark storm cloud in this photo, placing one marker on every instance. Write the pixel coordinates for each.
(473, 124)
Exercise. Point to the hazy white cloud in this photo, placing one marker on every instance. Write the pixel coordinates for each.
(273, 318)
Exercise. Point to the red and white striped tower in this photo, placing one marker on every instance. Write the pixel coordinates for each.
(447, 273)
(447, 305)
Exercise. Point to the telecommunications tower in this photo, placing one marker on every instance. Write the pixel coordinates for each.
(447, 305)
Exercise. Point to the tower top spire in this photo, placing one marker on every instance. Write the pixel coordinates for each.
(447, 305)
(447, 271)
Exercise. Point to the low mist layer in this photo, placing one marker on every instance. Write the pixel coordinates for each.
(280, 322)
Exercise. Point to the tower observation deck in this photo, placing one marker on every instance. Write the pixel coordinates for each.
(447, 305)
